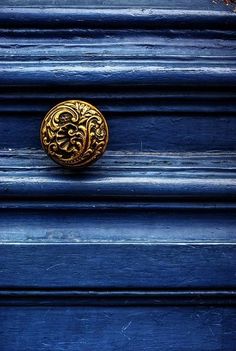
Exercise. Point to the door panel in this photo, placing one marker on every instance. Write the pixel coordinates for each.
(136, 252)
(86, 328)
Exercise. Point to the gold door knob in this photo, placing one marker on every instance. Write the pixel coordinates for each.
(74, 133)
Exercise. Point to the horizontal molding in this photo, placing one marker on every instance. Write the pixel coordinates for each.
(126, 17)
(135, 107)
(119, 175)
(112, 205)
(163, 46)
(115, 93)
(170, 79)
(160, 119)
(115, 46)
(162, 4)
(123, 198)
(129, 186)
(111, 72)
(77, 297)
(125, 102)
(127, 222)
(35, 159)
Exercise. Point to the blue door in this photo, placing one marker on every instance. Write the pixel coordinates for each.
(136, 251)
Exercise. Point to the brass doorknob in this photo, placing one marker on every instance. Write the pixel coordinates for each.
(74, 133)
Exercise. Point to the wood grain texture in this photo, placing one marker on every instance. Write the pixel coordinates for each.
(138, 251)
(117, 265)
(86, 328)
(29, 174)
(45, 224)
(115, 17)
(170, 74)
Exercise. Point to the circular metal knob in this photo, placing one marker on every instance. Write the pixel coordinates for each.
(74, 133)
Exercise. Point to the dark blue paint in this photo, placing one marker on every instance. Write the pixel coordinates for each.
(115, 17)
(136, 224)
(136, 252)
(118, 265)
(118, 176)
(149, 132)
(115, 73)
(86, 328)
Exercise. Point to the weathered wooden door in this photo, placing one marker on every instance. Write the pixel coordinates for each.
(137, 251)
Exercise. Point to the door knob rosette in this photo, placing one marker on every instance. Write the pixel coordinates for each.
(74, 133)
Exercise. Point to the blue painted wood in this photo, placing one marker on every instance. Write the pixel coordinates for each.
(145, 177)
(118, 265)
(134, 75)
(112, 17)
(138, 251)
(115, 73)
(101, 223)
(178, 132)
(176, 4)
(143, 328)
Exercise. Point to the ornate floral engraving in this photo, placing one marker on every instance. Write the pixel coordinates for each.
(74, 133)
